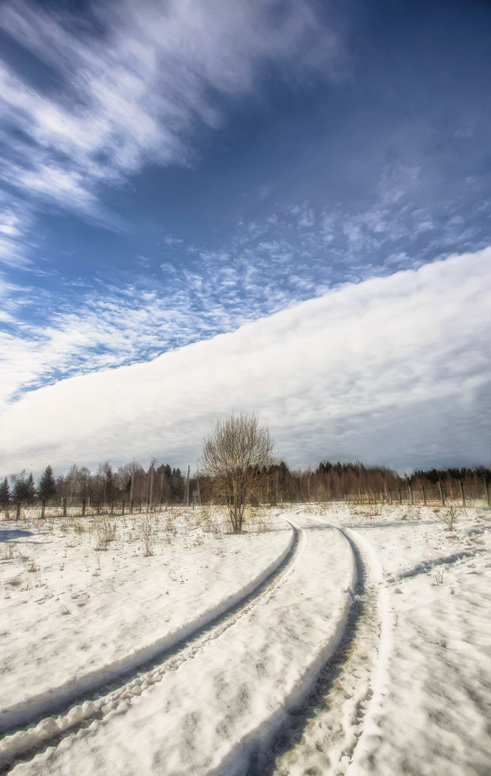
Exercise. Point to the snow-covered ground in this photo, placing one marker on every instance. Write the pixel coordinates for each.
(325, 640)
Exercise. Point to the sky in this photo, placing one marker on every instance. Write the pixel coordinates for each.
(263, 206)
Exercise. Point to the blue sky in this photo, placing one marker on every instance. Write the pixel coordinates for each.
(173, 170)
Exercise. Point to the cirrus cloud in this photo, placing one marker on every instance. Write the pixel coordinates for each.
(130, 83)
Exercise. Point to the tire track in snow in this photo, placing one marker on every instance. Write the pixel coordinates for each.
(67, 718)
(319, 736)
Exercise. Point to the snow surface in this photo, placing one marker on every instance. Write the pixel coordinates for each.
(339, 640)
(79, 607)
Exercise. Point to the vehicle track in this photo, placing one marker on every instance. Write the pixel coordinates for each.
(63, 719)
(319, 736)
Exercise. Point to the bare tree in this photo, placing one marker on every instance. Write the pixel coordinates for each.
(233, 455)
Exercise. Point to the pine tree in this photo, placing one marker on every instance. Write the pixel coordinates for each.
(47, 485)
(4, 493)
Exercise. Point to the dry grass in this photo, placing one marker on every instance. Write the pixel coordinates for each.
(105, 530)
(148, 533)
(10, 551)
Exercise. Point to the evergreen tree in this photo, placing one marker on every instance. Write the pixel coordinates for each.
(30, 488)
(4, 493)
(47, 485)
(20, 492)
(109, 483)
(177, 485)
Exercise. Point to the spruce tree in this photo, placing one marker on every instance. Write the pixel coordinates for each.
(47, 485)
(30, 489)
(4, 493)
(20, 488)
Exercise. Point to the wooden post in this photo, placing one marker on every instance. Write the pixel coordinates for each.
(187, 486)
(400, 496)
(112, 507)
(83, 507)
(132, 485)
(122, 508)
(43, 509)
(150, 486)
(462, 492)
(63, 501)
(424, 494)
(17, 511)
(442, 492)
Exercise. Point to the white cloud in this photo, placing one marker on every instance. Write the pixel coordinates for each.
(124, 324)
(268, 265)
(14, 224)
(133, 88)
(394, 370)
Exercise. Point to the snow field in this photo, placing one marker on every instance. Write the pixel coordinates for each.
(431, 705)
(327, 669)
(410, 690)
(210, 712)
(76, 615)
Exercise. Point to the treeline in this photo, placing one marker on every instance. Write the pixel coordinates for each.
(162, 484)
(158, 484)
(354, 481)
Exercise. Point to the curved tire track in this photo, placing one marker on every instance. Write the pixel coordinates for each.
(322, 731)
(61, 719)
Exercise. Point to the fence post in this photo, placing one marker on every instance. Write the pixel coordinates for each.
(424, 494)
(122, 508)
(43, 509)
(17, 511)
(462, 492)
(63, 501)
(83, 507)
(442, 492)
